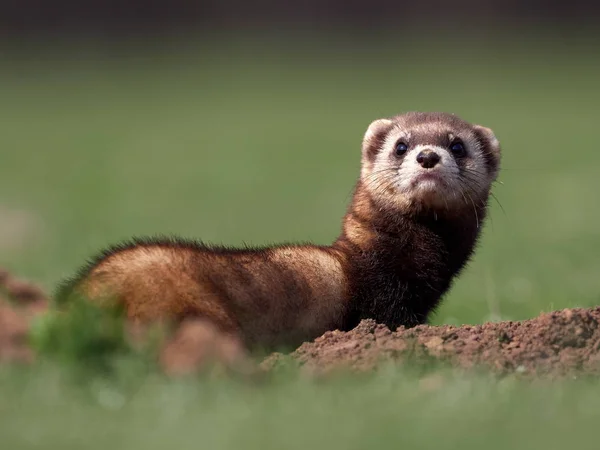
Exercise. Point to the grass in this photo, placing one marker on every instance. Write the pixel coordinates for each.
(381, 410)
(259, 143)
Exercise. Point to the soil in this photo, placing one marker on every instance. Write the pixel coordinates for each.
(19, 302)
(557, 344)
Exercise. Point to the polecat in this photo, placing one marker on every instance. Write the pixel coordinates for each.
(411, 227)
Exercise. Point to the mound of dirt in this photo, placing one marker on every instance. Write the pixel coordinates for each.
(26, 300)
(197, 344)
(558, 344)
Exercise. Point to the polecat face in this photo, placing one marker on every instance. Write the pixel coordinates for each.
(432, 161)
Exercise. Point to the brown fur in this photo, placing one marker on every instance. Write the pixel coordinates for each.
(393, 261)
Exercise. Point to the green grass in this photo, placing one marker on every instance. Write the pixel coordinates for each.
(259, 143)
(380, 411)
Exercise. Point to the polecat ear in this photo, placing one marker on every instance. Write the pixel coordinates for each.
(490, 137)
(374, 137)
(492, 146)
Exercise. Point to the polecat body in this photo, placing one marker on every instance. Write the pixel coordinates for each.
(411, 227)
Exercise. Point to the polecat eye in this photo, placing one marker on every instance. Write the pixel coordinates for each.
(458, 149)
(401, 148)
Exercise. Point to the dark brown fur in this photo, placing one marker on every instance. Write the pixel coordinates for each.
(392, 262)
(401, 268)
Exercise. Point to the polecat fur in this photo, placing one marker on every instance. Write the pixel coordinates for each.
(413, 223)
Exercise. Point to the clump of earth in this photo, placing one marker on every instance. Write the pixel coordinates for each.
(557, 344)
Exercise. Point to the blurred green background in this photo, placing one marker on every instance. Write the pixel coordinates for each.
(250, 139)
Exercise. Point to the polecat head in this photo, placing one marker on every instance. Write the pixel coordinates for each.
(428, 162)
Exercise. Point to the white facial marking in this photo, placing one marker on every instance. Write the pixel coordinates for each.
(406, 135)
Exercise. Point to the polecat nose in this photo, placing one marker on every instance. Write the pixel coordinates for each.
(428, 159)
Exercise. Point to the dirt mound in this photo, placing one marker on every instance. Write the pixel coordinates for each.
(196, 344)
(557, 344)
(19, 302)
